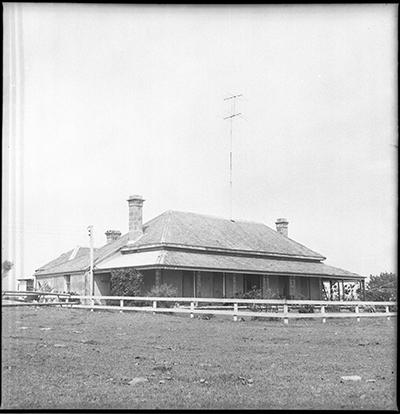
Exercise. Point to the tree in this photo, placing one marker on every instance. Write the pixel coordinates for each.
(6, 267)
(382, 287)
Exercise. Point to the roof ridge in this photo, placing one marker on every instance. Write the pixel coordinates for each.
(166, 226)
(155, 218)
(216, 217)
(74, 252)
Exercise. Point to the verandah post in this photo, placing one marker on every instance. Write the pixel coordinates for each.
(235, 312)
(265, 285)
(198, 284)
(363, 289)
(192, 309)
(158, 277)
(285, 313)
(387, 311)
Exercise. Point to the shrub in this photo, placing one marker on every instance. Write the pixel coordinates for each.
(254, 293)
(126, 282)
(271, 294)
(306, 309)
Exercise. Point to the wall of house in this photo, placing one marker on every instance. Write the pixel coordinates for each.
(315, 288)
(307, 288)
(208, 284)
(149, 280)
(78, 283)
(205, 288)
(56, 282)
(173, 278)
(25, 285)
(233, 289)
(102, 284)
(276, 285)
(302, 286)
(188, 283)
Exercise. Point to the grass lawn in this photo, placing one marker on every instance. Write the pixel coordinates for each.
(88, 359)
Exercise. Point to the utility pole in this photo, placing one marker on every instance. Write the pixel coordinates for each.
(91, 282)
(231, 117)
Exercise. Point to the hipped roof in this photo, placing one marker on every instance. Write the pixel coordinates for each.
(190, 234)
(198, 230)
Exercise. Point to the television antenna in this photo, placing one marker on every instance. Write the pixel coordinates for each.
(231, 117)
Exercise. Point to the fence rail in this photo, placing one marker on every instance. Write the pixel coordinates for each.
(237, 308)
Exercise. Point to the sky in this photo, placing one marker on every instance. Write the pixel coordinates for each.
(129, 99)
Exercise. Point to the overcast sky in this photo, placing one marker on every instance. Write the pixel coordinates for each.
(121, 100)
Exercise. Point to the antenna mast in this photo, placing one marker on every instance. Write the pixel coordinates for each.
(231, 117)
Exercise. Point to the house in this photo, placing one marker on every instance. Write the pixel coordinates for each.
(25, 284)
(201, 256)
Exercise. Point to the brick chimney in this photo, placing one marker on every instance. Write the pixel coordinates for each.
(112, 235)
(135, 217)
(282, 226)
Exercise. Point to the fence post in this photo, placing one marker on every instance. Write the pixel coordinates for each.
(357, 313)
(154, 306)
(387, 311)
(285, 312)
(323, 312)
(235, 312)
(121, 305)
(91, 309)
(191, 309)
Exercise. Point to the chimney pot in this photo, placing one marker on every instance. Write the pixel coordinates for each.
(135, 203)
(112, 235)
(282, 226)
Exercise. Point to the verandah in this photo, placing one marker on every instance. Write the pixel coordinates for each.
(198, 283)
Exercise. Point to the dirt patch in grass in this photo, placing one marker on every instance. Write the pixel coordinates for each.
(137, 360)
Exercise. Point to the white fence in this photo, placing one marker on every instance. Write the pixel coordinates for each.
(236, 308)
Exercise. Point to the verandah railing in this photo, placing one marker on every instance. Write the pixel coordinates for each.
(237, 308)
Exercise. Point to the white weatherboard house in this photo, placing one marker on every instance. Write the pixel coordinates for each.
(201, 256)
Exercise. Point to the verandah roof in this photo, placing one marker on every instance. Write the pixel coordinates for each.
(223, 263)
